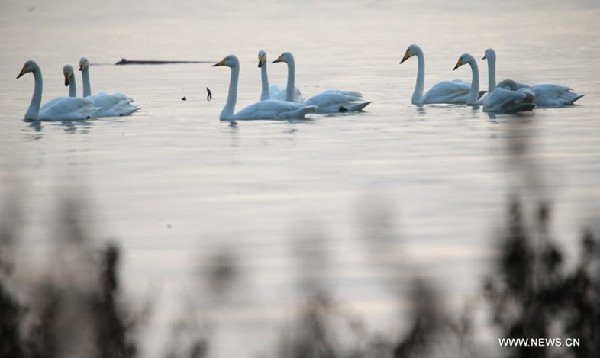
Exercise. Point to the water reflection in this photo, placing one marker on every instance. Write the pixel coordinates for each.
(72, 127)
(33, 131)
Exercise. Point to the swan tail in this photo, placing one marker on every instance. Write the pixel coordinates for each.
(299, 113)
(574, 99)
(128, 111)
(354, 107)
(308, 109)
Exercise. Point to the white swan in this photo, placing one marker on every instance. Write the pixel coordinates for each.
(449, 92)
(272, 91)
(70, 80)
(546, 94)
(498, 100)
(490, 57)
(267, 109)
(65, 108)
(111, 105)
(330, 101)
(504, 99)
(473, 94)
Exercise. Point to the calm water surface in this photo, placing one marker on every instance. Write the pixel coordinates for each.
(174, 184)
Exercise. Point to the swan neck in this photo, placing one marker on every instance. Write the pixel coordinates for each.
(264, 95)
(36, 100)
(72, 87)
(85, 77)
(474, 92)
(417, 97)
(228, 110)
(491, 74)
(291, 81)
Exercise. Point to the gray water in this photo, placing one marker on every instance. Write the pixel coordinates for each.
(173, 184)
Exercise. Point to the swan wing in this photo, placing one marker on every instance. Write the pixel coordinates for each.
(334, 101)
(274, 109)
(112, 105)
(502, 100)
(68, 108)
(553, 95)
(449, 92)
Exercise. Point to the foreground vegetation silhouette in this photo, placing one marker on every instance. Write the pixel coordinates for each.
(76, 307)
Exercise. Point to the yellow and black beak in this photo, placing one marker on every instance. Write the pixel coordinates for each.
(261, 60)
(406, 57)
(23, 71)
(458, 64)
(66, 79)
(220, 63)
(279, 59)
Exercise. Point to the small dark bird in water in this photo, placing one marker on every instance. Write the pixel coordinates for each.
(183, 98)
(209, 95)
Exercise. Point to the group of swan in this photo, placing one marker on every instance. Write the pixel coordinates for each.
(273, 91)
(74, 108)
(507, 96)
(276, 104)
(497, 100)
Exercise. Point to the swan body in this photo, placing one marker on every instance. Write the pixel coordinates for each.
(267, 109)
(110, 105)
(449, 92)
(330, 101)
(502, 100)
(546, 94)
(67, 108)
(272, 91)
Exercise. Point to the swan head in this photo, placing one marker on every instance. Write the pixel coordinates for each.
(229, 61)
(412, 50)
(490, 54)
(463, 60)
(28, 66)
(84, 64)
(286, 57)
(262, 58)
(508, 84)
(68, 73)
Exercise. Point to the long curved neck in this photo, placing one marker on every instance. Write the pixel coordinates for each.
(491, 74)
(474, 92)
(417, 97)
(265, 82)
(72, 87)
(291, 81)
(36, 100)
(85, 77)
(228, 110)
